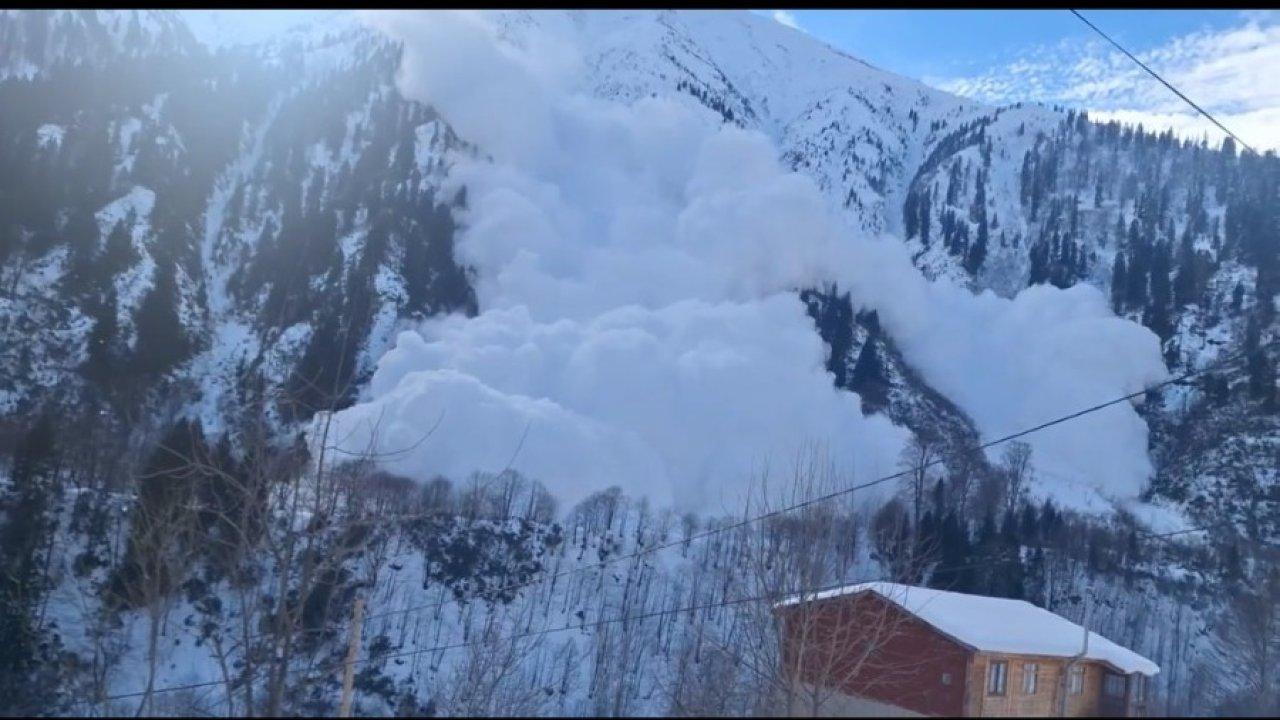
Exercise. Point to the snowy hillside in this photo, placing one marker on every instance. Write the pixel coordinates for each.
(621, 265)
(643, 180)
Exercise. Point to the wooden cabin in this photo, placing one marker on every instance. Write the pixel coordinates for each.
(887, 649)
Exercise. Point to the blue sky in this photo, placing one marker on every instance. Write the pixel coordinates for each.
(936, 43)
(1228, 61)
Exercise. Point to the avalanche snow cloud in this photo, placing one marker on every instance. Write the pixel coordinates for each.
(639, 323)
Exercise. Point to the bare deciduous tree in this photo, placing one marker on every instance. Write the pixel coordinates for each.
(1251, 633)
(786, 651)
(163, 535)
(1016, 462)
(919, 454)
(489, 678)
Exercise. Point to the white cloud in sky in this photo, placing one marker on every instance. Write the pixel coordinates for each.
(1231, 73)
(636, 275)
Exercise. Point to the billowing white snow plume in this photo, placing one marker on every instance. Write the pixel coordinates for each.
(637, 267)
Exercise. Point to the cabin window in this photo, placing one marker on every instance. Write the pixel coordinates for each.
(1030, 678)
(1113, 686)
(946, 678)
(1075, 681)
(997, 674)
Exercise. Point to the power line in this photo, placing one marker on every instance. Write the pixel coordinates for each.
(747, 521)
(602, 564)
(1202, 528)
(560, 628)
(1185, 531)
(988, 562)
(854, 488)
(1164, 82)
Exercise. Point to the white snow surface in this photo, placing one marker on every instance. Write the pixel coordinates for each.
(997, 625)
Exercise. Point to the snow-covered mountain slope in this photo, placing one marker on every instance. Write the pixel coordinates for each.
(858, 130)
(32, 43)
(1182, 239)
(214, 206)
(315, 107)
(675, 236)
(890, 153)
(618, 183)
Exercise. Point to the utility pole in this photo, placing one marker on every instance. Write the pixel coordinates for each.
(353, 653)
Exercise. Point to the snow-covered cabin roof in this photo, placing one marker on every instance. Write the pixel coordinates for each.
(999, 625)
